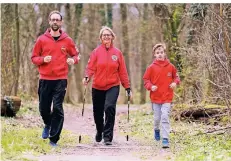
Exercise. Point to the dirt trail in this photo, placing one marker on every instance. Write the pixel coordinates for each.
(89, 150)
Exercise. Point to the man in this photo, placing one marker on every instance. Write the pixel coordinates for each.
(52, 53)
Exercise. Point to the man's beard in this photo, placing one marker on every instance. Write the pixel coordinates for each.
(55, 27)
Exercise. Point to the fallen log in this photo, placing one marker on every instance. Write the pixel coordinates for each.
(197, 113)
(10, 105)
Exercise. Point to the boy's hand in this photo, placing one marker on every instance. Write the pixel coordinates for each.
(172, 85)
(153, 88)
(47, 59)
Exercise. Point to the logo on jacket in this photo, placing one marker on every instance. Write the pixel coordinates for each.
(169, 74)
(114, 57)
(63, 49)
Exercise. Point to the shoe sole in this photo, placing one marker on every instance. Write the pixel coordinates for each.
(44, 138)
(107, 143)
(98, 140)
(165, 147)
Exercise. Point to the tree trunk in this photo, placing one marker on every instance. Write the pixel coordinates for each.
(125, 38)
(108, 14)
(68, 98)
(78, 69)
(17, 51)
(7, 56)
(144, 58)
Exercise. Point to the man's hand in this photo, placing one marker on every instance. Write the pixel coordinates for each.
(172, 85)
(154, 88)
(47, 59)
(85, 81)
(70, 61)
(79, 56)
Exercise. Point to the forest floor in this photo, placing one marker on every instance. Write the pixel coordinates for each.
(89, 150)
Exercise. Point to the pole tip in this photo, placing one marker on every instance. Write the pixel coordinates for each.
(127, 137)
(80, 139)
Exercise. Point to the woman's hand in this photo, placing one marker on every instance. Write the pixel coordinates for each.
(128, 92)
(85, 81)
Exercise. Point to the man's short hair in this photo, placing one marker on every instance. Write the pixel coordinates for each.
(53, 12)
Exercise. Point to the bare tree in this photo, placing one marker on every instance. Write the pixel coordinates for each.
(17, 50)
(78, 69)
(7, 56)
(143, 52)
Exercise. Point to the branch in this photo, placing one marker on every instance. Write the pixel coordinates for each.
(207, 132)
(215, 130)
(227, 86)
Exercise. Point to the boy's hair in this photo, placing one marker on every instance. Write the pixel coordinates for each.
(157, 46)
(106, 28)
(53, 12)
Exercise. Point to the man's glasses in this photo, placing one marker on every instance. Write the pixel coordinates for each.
(106, 35)
(57, 20)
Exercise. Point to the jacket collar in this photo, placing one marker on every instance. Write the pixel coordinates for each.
(161, 63)
(103, 46)
(62, 34)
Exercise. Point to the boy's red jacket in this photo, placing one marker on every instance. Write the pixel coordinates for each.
(59, 50)
(161, 74)
(108, 68)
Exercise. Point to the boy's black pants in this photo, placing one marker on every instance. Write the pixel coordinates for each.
(52, 91)
(105, 101)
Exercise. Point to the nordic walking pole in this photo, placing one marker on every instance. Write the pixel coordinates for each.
(128, 111)
(84, 95)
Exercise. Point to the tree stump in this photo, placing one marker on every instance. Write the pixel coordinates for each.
(10, 105)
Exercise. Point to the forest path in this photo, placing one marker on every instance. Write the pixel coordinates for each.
(89, 150)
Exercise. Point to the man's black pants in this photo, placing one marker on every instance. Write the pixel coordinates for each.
(52, 91)
(105, 101)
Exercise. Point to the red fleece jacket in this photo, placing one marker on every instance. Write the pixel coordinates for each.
(161, 74)
(107, 68)
(60, 50)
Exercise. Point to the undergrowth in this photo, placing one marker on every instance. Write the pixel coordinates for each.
(188, 141)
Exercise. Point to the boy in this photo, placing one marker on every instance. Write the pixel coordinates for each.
(160, 78)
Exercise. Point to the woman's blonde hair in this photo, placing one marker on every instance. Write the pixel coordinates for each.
(109, 29)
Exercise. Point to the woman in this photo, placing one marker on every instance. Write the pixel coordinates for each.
(107, 67)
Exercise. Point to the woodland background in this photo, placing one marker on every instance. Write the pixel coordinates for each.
(197, 36)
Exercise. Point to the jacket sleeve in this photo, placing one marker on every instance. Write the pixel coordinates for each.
(73, 51)
(91, 65)
(176, 77)
(123, 74)
(147, 79)
(36, 57)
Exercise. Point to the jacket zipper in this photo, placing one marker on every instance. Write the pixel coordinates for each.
(52, 71)
(107, 66)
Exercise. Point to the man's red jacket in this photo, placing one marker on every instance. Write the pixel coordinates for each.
(60, 50)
